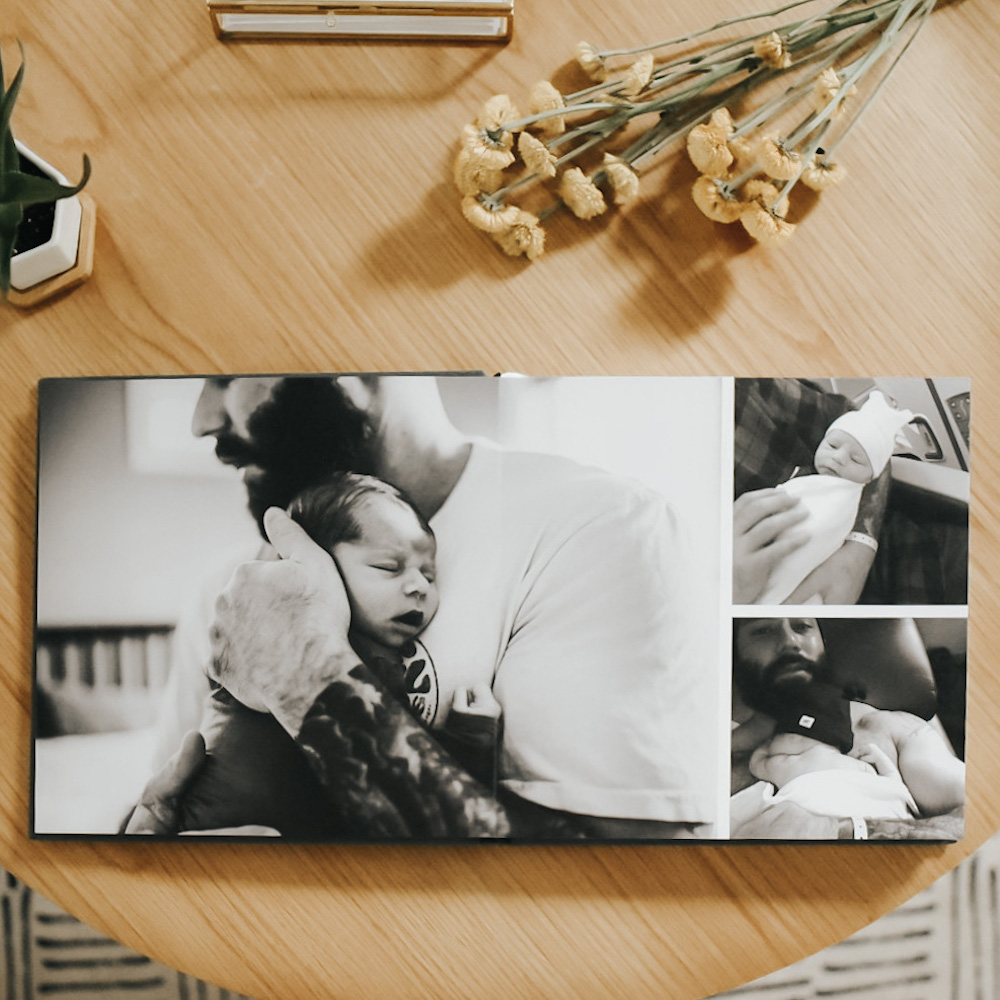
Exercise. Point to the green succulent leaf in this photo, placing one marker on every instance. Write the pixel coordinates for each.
(28, 189)
(9, 156)
(10, 95)
(10, 219)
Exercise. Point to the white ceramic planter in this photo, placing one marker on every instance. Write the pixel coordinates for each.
(59, 254)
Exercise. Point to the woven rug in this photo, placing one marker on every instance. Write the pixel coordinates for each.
(48, 953)
(944, 944)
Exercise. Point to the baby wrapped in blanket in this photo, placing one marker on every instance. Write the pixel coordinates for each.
(810, 761)
(853, 452)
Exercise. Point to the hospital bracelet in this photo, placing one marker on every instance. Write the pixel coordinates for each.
(859, 536)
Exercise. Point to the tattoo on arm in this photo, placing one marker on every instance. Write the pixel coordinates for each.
(947, 827)
(871, 508)
(386, 773)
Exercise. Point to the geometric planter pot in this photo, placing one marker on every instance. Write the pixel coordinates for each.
(55, 242)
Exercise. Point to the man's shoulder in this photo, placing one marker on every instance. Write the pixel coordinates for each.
(540, 473)
(553, 498)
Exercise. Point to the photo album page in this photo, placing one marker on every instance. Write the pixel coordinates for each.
(458, 607)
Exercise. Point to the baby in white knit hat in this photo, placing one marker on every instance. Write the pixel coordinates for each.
(854, 451)
(858, 444)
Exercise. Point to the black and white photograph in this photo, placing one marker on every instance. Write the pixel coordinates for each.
(381, 608)
(848, 729)
(851, 491)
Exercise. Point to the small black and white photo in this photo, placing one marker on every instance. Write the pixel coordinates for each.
(848, 729)
(381, 608)
(851, 491)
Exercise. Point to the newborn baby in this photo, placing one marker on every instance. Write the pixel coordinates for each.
(385, 551)
(854, 451)
(810, 761)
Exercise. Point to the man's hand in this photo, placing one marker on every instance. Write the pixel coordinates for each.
(839, 580)
(280, 630)
(878, 758)
(158, 811)
(763, 535)
(477, 700)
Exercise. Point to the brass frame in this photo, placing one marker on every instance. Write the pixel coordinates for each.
(499, 9)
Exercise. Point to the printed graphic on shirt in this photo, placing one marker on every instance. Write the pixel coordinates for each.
(421, 681)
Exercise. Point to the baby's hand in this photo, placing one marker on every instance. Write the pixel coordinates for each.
(476, 700)
(878, 758)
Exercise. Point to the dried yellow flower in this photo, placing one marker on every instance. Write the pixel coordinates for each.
(765, 194)
(591, 61)
(744, 150)
(764, 226)
(545, 97)
(623, 179)
(709, 150)
(524, 237)
(714, 198)
(472, 175)
(538, 158)
(488, 218)
(581, 194)
(494, 153)
(772, 52)
(821, 175)
(636, 77)
(722, 120)
(826, 88)
(498, 112)
(776, 161)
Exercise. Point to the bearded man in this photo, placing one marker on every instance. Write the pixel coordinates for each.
(564, 588)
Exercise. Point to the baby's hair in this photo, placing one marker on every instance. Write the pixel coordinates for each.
(329, 512)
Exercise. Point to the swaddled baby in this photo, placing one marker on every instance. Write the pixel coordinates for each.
(810, 760)
(854, 451)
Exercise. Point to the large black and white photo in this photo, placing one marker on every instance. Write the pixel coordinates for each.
(420, 608)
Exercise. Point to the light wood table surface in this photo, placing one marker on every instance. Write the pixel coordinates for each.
(285, 207)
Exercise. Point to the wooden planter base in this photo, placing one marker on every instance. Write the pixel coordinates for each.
(76, 275)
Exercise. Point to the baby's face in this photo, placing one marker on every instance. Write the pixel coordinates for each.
(389, 573)
(839, 454)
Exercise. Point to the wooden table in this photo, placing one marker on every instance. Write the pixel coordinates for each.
(276, 207)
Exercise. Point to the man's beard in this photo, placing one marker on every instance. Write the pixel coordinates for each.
(774, 684)
(306, 431)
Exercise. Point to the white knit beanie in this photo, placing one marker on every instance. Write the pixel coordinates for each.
(875, 427)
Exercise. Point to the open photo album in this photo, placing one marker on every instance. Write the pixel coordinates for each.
(460, 608)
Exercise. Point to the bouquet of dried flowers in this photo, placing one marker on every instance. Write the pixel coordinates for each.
(761, 112)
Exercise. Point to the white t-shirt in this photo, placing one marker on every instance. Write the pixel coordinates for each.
(568, 589)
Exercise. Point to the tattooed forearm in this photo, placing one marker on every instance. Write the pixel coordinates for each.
(383, 769)
(871, 507)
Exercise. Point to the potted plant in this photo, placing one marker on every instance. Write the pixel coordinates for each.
(46, 229)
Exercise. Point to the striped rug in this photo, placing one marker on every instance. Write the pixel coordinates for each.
(49, 954)
(944, 944)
